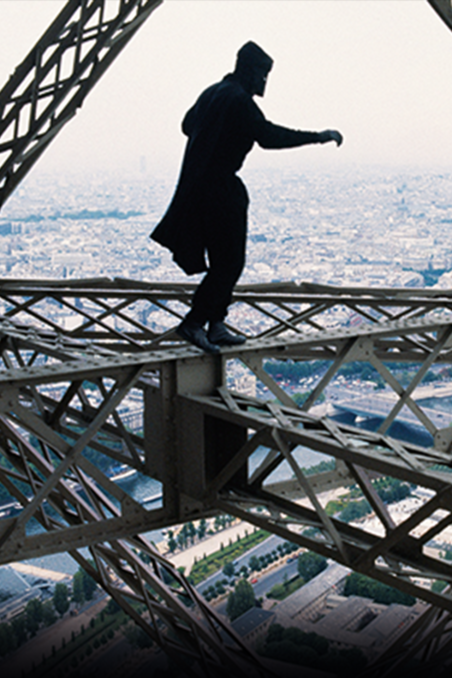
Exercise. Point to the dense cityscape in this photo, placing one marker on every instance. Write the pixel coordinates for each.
(362, 227)
(366, 227)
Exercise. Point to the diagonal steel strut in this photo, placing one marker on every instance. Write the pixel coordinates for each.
(54, 79)
(198, 435)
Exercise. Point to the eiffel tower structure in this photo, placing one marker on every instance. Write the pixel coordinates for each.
(213, 445)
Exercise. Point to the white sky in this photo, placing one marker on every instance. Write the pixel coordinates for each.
(378, 70)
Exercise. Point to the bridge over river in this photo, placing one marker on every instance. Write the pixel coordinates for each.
(368, 409)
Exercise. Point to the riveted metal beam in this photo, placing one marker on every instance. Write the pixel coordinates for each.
(64, 393)
(50, 85)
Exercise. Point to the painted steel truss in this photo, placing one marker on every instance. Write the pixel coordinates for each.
(444, 10)
(48, 87)
(82, 359)
(391, 551)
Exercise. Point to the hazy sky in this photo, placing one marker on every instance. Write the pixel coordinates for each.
(378, 70)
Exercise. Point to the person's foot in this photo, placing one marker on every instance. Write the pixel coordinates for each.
(219, 334)
(195, 335)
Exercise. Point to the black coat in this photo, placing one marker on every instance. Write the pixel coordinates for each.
(221, 127)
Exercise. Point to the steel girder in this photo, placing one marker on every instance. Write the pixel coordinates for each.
(132, 315)
(392, 551)
(48, 87)
(103, 317)
(45, 465)
(63, 387)
(444, 9)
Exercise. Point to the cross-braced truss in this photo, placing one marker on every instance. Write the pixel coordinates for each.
(94, 376)
(51, 83)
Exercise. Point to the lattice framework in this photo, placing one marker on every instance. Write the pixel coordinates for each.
(62, 393)
(50, 85)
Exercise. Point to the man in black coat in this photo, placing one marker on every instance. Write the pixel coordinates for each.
(208, 213)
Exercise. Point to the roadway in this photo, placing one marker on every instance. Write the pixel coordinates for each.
(262, 582)
(261, 549)
(278, 574)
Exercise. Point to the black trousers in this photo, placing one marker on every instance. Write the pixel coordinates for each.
(224, 226)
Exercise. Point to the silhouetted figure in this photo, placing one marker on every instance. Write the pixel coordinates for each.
(208, 213)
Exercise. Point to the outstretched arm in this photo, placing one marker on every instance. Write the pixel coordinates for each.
(269, 135)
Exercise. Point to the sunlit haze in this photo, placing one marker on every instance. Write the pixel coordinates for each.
(379, 71)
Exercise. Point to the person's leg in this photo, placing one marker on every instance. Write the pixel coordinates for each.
(220, 288)
(213, 295)
(225, 225)
(225, 236)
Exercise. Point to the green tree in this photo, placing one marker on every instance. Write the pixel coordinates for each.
(277, 591)
(182, 537)
(391, 489)
(192, 532)
(228, 569)
(240, 600)
(360, 585)
(275, 633)
(78, 594)
(19, 628)
(355, 510)
(48, 613)
(8, 641)
(61, 598)
(310, 565)
(89, 585)
(202, 528)
(438, 585)
(299, 637)
(33, 614)
(254, 563)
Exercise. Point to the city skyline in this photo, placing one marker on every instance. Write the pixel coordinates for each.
(381, 228)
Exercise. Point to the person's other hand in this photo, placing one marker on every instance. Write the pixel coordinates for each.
(336, 136)
(331, 135)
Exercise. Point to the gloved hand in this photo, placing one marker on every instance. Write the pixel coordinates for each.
(331, 135)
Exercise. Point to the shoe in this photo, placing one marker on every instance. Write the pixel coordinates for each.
(219, 334)
(195, 335)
